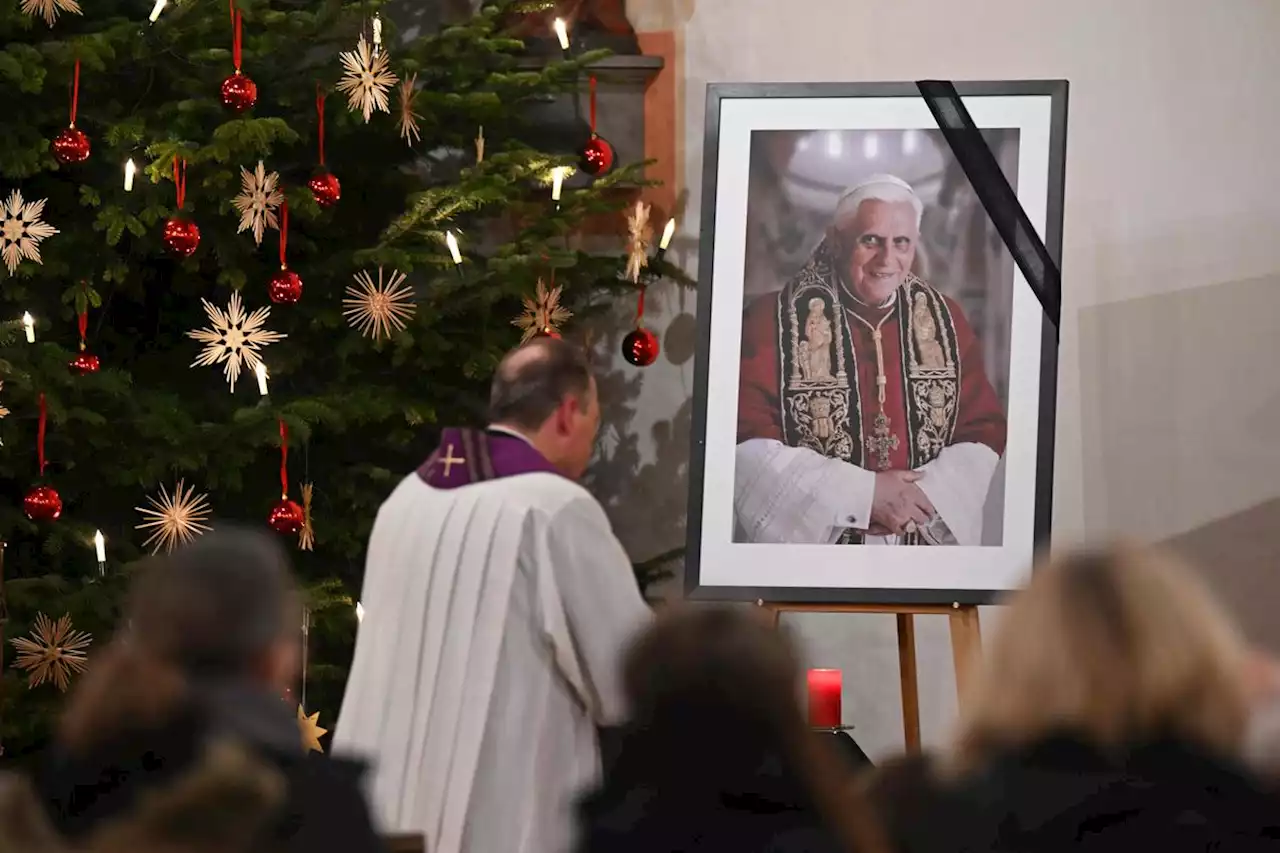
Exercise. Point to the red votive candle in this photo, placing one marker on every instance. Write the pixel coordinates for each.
(825, 686)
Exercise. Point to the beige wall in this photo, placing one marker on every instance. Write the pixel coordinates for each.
(1169, 387)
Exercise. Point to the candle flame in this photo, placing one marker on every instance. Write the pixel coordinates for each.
(453, 247)
(100, 545)
(359, 612)
(129, 171)
(562, 33)
(667, 234)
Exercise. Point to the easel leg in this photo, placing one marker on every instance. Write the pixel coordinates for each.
(966, 643)
(910, 681)
(966, 646)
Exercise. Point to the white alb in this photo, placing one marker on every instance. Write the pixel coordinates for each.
(495, 618)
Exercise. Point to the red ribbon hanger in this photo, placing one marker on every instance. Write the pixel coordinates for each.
(180, 179)
(235, 38)
(75, 93)
(284, 232)
(591, 85)
(44, 419)
(640, 306)
(320, 117)
(284, 461)
(83, 319)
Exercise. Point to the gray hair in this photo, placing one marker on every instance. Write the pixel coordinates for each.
(533, 380)
(212, 606)
(878, 188)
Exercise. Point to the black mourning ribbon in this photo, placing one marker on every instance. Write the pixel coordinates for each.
(995, 194)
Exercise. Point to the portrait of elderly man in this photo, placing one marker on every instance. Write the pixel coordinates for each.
(865, 415)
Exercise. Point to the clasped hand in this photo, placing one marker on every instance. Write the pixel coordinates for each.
(897, 502)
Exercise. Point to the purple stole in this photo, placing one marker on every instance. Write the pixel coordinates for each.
(466, 456)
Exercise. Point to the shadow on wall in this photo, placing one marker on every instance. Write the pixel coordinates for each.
(1238, 556)
(1179, 412)
(1179, 407)
(642, 480)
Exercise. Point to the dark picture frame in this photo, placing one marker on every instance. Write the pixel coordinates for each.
(696, 587)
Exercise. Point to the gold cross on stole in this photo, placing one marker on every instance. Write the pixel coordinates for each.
(882, 442)
(450, 460)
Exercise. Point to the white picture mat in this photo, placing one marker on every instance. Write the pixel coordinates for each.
(723, 562)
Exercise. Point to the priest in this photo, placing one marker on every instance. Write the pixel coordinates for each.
(497, 604)
(864, 413)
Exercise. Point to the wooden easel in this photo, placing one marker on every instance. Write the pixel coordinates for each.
(966, 644)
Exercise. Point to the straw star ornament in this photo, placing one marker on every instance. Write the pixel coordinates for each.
(174, 520)
(234, 337)
(409, 130)
(366, 79)
(21, 230)
(543, 314)
(307, 534)
(259, 198)
(54, 652)
(378, 310)
(49, 9)
(640, 236)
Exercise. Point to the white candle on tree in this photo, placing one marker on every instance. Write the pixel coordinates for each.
(100, 546)
(557, 182)
(667, 234)
(261, 370)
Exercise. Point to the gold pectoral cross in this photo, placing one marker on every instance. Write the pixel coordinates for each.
(882, 442)
(450, 460)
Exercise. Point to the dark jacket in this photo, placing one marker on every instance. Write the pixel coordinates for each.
(321, 807)
(1061, 794)
(637, 810)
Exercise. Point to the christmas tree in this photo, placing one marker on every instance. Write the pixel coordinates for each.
(138, 413)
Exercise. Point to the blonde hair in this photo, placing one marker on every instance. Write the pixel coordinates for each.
(1115, 646)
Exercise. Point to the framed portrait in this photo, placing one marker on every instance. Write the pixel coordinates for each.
(875, 380)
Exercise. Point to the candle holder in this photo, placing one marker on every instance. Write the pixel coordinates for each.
(655, 269)
(841, 738)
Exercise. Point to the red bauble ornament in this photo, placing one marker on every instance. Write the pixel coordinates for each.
(326, 189)
(84, 362)
(640, 347)
(596, 156)
(239, 93)
(286, 517)
(71, 146)
(43, 503)
(285, 287)
(181, 236)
